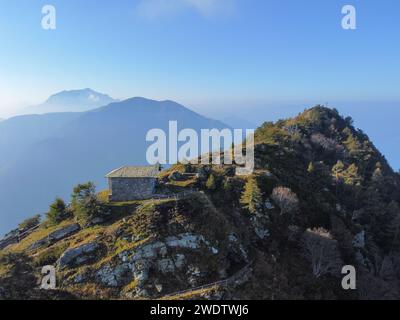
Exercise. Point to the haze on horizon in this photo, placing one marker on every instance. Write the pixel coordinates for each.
(206, 54)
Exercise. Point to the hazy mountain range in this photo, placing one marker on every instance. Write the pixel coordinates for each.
(44, 156)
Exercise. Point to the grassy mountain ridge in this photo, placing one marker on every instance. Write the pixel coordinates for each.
(321, 197)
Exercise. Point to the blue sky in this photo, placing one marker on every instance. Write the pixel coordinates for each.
(205, 53)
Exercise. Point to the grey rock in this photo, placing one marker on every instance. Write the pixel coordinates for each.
(180, 260)
(170, 265)
(141, 271)
(154, 256)
(77, 256)
(114, 277)
(64, 232)
(166, 266)
(152, 250)
(56, 236)
(38, 244)
(186, 240)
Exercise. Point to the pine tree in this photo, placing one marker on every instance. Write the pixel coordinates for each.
(351, 176)
(85, 203)
(57, 212)
(337, 174)
(352, 144)
(251, 197)
(337, 171)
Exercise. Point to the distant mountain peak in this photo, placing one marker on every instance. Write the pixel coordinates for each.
(147, 100)
(79, 100)
(141, 103)
(73, 96)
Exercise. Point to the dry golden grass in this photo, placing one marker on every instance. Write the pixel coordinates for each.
(38, 234)
(87, 235)
(192, 295)
(90, 291)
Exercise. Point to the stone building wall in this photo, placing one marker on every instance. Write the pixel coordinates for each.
(128, 189)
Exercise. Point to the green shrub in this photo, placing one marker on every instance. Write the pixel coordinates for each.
(85, 204)
(58, 212)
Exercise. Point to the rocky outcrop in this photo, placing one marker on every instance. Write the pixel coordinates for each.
(56, 236)
(114, 276)
(77, 256)
(160, 256)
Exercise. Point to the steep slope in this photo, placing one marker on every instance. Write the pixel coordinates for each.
(79, 148)
(322, 197)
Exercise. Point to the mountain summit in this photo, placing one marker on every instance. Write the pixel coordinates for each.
(72, 101)
(322, 197)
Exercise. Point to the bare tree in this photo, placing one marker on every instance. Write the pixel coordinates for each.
(322, 252)
(285, 199)
(324, 142)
